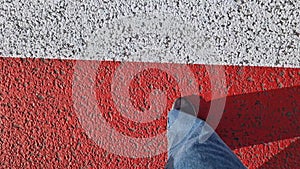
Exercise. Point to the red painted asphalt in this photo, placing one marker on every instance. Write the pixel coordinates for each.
(39, 127)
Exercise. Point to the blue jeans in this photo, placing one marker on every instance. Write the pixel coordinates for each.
(193, 144)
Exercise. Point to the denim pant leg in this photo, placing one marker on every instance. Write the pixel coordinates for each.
(193, 144)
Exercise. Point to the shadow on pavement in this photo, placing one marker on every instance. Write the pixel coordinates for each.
(261, 117)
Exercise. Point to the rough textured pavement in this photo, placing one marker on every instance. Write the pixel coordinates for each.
(238, 32)
(40, 127)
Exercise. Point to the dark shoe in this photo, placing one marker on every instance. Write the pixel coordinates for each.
(188, 104)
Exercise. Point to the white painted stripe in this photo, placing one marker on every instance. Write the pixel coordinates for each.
(214, 32)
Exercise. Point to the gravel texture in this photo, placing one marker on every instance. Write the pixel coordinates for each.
(228, 32)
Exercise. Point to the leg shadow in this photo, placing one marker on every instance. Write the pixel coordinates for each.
(257, 118)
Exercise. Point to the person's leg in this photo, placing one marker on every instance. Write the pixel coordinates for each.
(192, 143)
